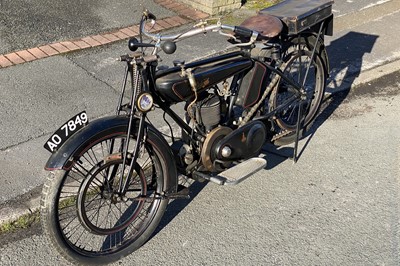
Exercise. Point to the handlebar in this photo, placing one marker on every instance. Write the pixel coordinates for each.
(239, 31)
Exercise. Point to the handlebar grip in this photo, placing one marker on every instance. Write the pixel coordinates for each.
(243, 32)
(149, 15)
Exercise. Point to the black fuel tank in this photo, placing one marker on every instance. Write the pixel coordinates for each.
(175, 88)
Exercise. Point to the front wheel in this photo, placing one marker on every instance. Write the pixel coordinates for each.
(85, 216)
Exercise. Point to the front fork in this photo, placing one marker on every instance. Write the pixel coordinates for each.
(136, 73)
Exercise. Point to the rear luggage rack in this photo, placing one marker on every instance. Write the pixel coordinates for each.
(299, 15)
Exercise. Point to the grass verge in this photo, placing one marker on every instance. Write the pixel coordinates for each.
(260, 4)
(23, 222)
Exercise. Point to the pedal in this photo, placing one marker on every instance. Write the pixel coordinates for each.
(238, 173)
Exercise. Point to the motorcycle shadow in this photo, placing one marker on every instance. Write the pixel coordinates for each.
(276, 155)
(346, 54)
(176, 206)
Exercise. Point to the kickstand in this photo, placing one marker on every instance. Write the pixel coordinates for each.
(299, 125)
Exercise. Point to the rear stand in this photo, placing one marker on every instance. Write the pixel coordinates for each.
(303, 98)
(299, 125)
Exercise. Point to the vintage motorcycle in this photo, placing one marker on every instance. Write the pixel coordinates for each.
(111, 179)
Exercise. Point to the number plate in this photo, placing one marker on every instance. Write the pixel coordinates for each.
(66, 131)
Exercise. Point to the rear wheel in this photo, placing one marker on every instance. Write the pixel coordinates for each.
(303, 70)
(84, 215)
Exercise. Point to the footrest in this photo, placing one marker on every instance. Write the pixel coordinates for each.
(240, 172)
(182, 193)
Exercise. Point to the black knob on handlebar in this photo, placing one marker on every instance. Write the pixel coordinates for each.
(168, 47)
(149, 15)
(133, 44)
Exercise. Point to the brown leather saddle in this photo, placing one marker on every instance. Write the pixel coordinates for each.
(267, 25)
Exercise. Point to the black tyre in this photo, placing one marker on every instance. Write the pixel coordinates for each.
(84, 216)
(314, 79)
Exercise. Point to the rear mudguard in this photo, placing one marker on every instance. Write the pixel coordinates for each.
(63, 158)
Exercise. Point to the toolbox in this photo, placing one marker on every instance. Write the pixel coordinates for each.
(299, 15)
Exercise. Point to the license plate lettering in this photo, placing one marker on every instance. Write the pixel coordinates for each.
(66, 131)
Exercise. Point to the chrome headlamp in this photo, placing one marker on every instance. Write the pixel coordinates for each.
(145, 102)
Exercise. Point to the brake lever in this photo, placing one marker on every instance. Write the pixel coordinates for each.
(253, 39)
(227, 35)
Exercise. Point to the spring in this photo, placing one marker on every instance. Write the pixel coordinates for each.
(136, 82)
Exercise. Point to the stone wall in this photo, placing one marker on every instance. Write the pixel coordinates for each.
(213, 7)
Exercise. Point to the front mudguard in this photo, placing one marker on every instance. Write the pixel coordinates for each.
(64, 157)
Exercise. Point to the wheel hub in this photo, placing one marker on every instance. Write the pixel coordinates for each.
(93, 197)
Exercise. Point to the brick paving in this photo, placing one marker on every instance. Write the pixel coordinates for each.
(92, 42)
(185, 15)
(14, 58)
(111, 37)
(36, 52)
(4, 62)
(82, 44)
(27, 56)
(47, 49)
(70, 45)
(59, 47)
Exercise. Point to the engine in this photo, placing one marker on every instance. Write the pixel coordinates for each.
(208, 112)
(222, 145)
(205, 116)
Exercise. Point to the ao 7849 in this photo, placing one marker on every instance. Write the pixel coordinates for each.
(65, 131)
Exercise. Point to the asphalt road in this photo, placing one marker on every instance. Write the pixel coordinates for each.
(343, 7)
(26, 24)
(339, 205)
